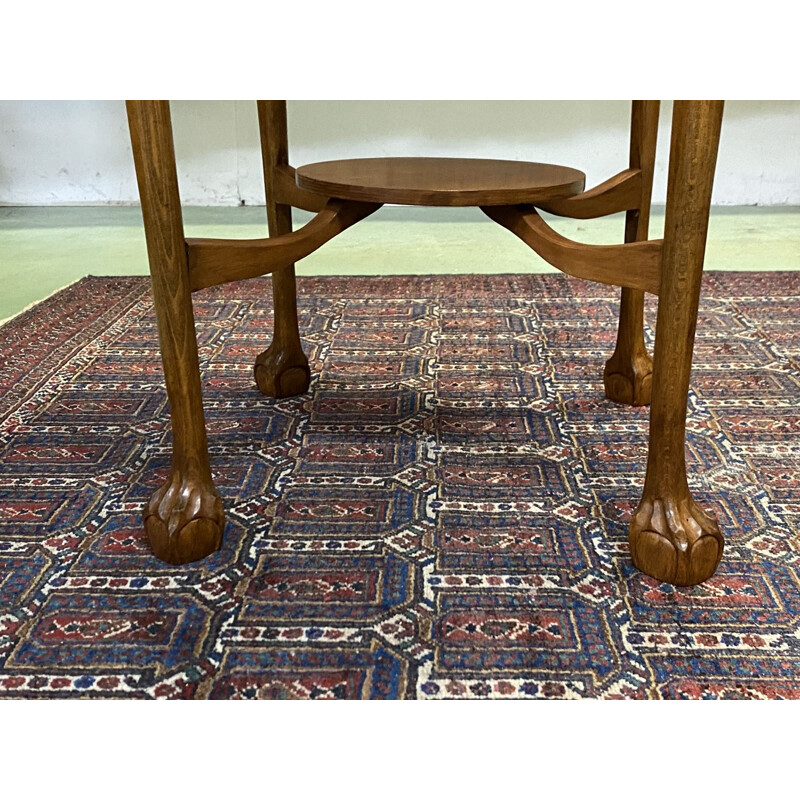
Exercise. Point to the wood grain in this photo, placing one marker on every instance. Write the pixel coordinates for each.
(619, 193)
(628, 374)
(184, 518)
(671, 537)
(215, 261)
(282, 369)
(440, 181)
(286, 190)
(635, 265)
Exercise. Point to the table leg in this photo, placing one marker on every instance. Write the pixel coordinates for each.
(282, 369)
(671, 537)
(184, 518)
(628, 373)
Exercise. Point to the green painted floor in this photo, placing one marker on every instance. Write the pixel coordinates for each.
(44, 249)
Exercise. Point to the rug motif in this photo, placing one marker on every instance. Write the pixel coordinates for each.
(443, 515)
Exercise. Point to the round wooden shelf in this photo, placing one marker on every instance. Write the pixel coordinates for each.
(440, 181)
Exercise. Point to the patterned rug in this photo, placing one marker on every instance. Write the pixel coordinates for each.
(443, 515)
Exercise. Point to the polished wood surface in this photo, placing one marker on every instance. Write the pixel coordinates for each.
(282, 369)
(628, 374)
(184, 518)
(635, 265)
(440, 181)
(215, 261)
(274, 137)
(671, 537)
(619, 193)
(286, 190)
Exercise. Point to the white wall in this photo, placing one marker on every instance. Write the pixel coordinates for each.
(63, 152)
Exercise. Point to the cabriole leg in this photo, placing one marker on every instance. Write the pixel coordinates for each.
(671, 537)
(282, 369)
(628, 373)
(184, 518)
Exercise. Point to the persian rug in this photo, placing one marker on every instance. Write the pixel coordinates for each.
(443, 515)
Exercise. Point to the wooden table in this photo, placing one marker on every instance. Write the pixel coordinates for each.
(671, 537)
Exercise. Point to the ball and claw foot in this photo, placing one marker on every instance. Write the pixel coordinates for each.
(282, 373)
(629, 384)
(184, 520)
(675, 541)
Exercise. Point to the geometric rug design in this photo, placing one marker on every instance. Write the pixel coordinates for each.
(443, 515)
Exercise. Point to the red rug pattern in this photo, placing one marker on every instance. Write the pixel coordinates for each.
(444, 514)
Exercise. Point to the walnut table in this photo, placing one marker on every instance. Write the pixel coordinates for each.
(671, 537)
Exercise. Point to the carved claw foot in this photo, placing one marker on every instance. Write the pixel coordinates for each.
(282, 372)
(184, 520)
(675, 541)
(629, 383)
